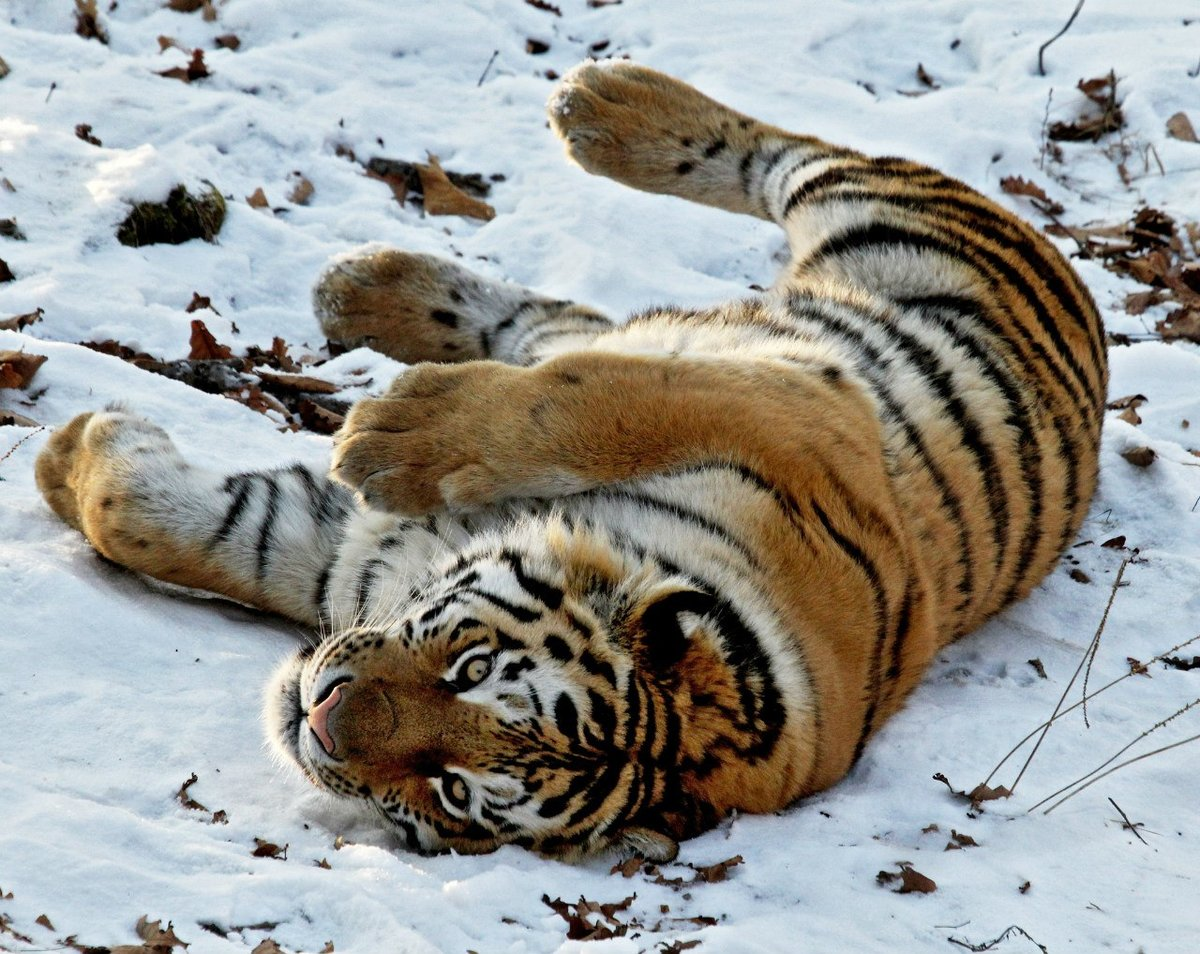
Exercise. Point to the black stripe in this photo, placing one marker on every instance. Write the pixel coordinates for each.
(320, 594)
(519, 613)
(881, 235)
(893, 411)
(240, 486)
(270, 514)
(550, 596)
(685, 514)
(838, 175)
(366, 582)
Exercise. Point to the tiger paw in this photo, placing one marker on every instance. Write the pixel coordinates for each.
(641, 127)
(411, 307)
(453, 437)
(87, 470)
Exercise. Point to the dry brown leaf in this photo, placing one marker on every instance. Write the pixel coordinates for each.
(302, 191)
(1130, 416)
(200, 301)
(1130, 400)
(6, 273)
(328, 948)
(167, 43)
(228, 41)
(1140, 456)
(44, 922)
(1038, 667)
(86, 23)
(1182, 323)
(911, 880)
(925, 79)
(195, 70)
(713, 874)
(13, 419)
(17, 322)
(267, 946)
(1115, 543)
(298, 382)
(543, 5)
(536, 47)
(321, 420)
(1016, 185)
(442, 197)
(17, 368)
(268, 849)
(185, 799)
(204, 346)
(1180, 127)
(84, 131)
(1078, 575)
(258, 199)
(155, 936)
(1136, 303)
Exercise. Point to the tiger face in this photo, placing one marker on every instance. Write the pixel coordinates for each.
(501, 707)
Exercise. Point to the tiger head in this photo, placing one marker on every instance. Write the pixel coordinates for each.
(546, 700)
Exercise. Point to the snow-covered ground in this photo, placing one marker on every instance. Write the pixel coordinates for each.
(113, 694)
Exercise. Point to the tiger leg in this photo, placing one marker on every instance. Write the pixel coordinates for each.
(423, 308)
(465, 436)
(288, 540)
(658, 134)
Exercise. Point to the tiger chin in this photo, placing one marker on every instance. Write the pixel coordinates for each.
(590, 586)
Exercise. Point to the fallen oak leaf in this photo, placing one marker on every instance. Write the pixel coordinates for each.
(204, 346)
(1180, 127)
(258, 199)
(1140, 456)
(228, 41)
(267, 946)
(1016, 185)
(200, 301)
(185, 799)
(17, 368)
(716, 873)
(911, 880)
(302, 191)
(297, 382)
(442, 197)
(17, 322)
(44, 921)
(268, 849)
(1183, 323)
(6, 273)
(195, 70)
(153, 934)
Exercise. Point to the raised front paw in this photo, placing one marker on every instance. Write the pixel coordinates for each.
(639, 126)
(452, 437)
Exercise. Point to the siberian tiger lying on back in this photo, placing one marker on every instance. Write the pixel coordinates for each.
(614, 581)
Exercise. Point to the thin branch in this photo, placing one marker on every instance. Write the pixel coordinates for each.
(483, 75)
(1066, 27)
(1091, 656)
(1116, 768)
(988, 945)
(1087, 652)
(1131, 826)
(1116, 755)
(1159, 658)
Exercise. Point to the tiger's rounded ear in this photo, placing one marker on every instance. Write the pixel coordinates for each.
(645, 843)
(665, 620)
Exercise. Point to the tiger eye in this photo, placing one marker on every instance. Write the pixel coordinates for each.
(477, 670)
(456, 790)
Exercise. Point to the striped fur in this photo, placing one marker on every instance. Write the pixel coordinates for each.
(602, 584)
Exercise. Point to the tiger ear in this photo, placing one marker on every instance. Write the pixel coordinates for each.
(666, 620)
(645, 843)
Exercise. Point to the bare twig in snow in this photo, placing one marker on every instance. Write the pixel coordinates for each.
(1128, 825)
(989, 945)
(1049, 722)
(1066, 27)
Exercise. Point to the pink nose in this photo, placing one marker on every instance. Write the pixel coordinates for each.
(318, 719)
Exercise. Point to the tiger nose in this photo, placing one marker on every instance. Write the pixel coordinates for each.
(318, 719)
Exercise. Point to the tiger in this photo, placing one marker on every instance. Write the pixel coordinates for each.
(590, 587)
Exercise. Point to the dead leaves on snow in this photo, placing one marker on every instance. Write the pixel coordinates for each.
(436, 190)
(911, 880)
(1103, 116)
(266, 381)
(17, 368)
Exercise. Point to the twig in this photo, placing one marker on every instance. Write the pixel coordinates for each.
(50, 92)
(988, 945)
(1066, 27)
(1013, 751)
(1116, 755)
(13, 449)
(483, 75)
(1087, 652)
(1131, 826)
(1095, 647)
(1115, 768)
(1045, 124)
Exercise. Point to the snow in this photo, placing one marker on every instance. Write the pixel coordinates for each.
(114, 692)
